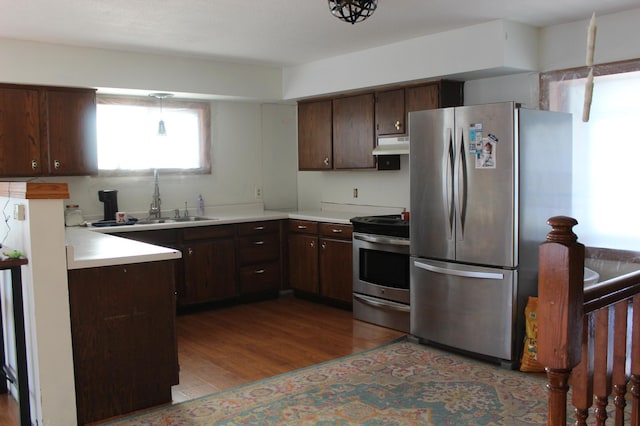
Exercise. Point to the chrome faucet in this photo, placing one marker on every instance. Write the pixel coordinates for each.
(155, 210)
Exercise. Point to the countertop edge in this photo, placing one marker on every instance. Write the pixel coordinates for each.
(91, 247)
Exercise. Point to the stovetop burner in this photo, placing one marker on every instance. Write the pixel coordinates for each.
(390, 225)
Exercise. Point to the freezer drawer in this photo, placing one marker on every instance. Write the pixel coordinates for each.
(465, 307)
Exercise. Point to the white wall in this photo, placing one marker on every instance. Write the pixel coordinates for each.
(41, 63)
(251, 145)
(564, 46)
(46, 302)
(492, 48)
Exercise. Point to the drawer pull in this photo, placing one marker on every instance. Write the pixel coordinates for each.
(302, 226)
(336, 231)
(259, 228)
(258, 271)
(258, 243)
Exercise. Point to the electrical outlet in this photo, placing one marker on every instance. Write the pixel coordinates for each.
(355, 192)
(18, 212)
(258, 192)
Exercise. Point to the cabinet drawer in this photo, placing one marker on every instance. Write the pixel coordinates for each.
(260, 277)
(252, 228)
(258, 248)
(303, 226)
(208, 232)
(334, 230)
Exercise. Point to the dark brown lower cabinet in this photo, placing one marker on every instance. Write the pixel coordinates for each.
(336, 269)
(209, 271)
(123, 334)
(321, 260)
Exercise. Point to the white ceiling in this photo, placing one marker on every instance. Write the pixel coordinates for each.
(277, 32)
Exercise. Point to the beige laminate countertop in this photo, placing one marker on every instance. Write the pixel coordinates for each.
(89, 247)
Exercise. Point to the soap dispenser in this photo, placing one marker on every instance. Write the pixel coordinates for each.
(200, 205)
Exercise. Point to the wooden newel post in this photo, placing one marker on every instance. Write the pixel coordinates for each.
(560, 311)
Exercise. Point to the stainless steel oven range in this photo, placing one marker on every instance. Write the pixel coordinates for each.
(381, 271)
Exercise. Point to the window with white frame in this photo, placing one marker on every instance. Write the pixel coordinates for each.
(605, 162)
(129, 141)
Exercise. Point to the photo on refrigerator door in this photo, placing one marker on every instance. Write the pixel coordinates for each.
(486, 157)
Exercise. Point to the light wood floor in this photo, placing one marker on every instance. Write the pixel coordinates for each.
(227, 347)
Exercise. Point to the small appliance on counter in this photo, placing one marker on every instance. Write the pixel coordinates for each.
(73, 215)
(110, 199)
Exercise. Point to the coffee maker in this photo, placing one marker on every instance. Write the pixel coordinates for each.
(110, 199)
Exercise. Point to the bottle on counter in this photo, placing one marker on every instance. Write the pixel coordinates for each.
(73, 215)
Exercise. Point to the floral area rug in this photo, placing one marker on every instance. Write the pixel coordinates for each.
(400, 383)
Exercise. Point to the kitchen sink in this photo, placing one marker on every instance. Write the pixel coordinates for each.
(192, 218)
(174, 220)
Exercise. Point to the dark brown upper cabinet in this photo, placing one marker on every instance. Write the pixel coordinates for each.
(47, 131)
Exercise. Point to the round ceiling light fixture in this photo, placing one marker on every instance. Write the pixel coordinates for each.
(352, 11)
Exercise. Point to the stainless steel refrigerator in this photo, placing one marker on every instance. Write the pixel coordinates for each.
(484, 181)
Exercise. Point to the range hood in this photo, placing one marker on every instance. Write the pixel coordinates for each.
(392, 146)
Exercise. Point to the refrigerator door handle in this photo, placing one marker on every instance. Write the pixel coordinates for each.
(459, 273)
(448, 181)
(460, 183)
(463, 190)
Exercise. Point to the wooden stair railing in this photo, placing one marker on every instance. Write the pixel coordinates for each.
(589, 339)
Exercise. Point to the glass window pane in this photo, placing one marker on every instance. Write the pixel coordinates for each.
(128, 137)
(605, 166)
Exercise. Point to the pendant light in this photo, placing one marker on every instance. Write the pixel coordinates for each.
(352, 11)
(162, 130)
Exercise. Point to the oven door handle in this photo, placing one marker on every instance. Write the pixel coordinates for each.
(385, 304)
(381, 240)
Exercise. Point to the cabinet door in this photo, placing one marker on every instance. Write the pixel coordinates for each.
(353, 132)
(19, 132)
(209, 270)
(423, 97)
(71, 118)
(336, 269)
(123, 333)
(303, 262)
(390, 113)
(314, 136)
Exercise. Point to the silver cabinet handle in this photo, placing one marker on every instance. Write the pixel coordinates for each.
(258, 243)
(336, 231)
(56, 164)
(312, 244)
(34, 164)
(397, 125)
(302, 227)
(259, 228)
(326, 161)
(190, 251)
(258, 271)
(323, 245)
